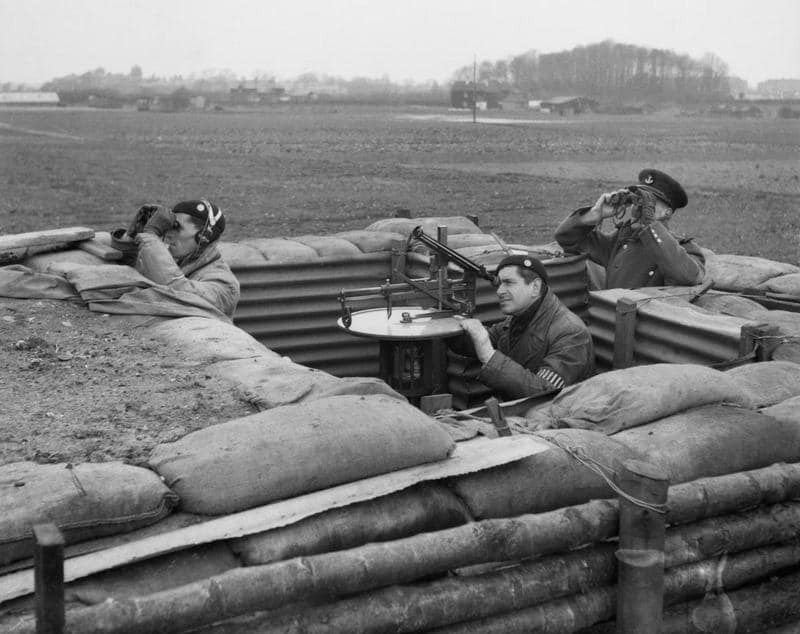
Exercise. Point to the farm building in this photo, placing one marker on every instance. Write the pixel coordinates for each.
(248, 94)
(569, 105)
(465, 95)
(29, 99)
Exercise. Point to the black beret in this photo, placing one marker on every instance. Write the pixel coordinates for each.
(200, 209)
(663, 186)
(524, 261)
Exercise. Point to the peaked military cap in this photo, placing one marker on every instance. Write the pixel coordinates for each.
(525, 261)
(663, 186)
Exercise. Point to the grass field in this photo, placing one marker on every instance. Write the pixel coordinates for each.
(288, 171)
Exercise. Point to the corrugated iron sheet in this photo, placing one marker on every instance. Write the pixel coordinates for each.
(662, 338)
(292, 308)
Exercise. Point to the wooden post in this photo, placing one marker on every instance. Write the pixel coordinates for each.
(640, 586)
(49, 578)
(496, 414)
(624, 333)
(751, 340)
(432, 403)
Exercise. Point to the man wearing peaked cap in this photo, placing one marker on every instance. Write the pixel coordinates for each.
(540, 346)
(177, 248)
(641, 250)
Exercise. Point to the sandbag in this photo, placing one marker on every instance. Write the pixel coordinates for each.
(201, 341)
(788, 284)
(617, 400)
(768, 382)
(713, 440)
(789, 351)
(240, 254)
(371, 241)
(56, 261)
(282, 250)
(728, 304)
(548, 480)
(430, 225)
(429, 506)
(787, 411)
(294, 449)
(740, 272)
(786, 322)
(85, 501)
(269, 381)
(329, 246)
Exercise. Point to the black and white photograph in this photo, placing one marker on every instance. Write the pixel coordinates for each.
(369, 317)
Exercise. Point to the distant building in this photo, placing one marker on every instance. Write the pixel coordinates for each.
(249, 94)
(466, 95)
(780, 88)
(29, 99)
(102, 101)
(568, 105)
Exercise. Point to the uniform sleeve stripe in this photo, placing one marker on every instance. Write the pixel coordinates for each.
(551, 377)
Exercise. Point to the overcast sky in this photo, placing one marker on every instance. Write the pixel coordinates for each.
(403, 39)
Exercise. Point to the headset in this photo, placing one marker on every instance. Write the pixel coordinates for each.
(211, 229)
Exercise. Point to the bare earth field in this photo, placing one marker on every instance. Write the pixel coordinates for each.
(296, 170)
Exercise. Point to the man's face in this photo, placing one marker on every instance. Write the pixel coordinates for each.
(663, 211)
(180, 239)
(515, 294)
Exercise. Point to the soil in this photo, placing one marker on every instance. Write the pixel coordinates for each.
(82, 386)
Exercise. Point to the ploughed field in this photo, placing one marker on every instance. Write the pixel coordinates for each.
(293, 170)
(77, 386)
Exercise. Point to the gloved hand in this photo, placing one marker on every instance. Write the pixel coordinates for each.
(647, 212)
(140, 219)
(160, 221)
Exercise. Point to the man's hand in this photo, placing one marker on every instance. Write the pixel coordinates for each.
(648, 206)
(161, 221)
(480, 337)
(602, 208)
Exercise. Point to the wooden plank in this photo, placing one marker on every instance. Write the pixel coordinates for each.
(99, 249)
(470, 456)
(51, 236)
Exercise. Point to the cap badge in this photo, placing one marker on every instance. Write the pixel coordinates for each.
(527, 263)
(200, 207)
(649, 179)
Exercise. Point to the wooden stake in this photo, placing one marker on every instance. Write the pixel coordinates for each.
(642, 533)
(624, 333)
(49, 578)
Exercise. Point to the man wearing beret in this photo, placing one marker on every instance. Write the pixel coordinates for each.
(540, 346)
(177, 248)
(641, 251)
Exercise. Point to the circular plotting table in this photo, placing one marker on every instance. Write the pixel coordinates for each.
(374, 324)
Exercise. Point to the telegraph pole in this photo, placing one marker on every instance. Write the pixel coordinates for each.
(475, 89)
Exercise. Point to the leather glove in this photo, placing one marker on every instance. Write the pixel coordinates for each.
(140, 219)
(160, 221)
(647, 213)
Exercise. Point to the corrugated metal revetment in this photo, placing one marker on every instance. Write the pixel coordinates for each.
(665, 333)
(293, 308)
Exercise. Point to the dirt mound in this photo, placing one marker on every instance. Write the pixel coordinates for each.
(79, 386)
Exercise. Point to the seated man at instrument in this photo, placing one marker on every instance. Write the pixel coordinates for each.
(641, 251)
(177, 249)
(541, 345)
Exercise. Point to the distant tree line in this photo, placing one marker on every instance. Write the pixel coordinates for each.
(216, 86)
(608, 71)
